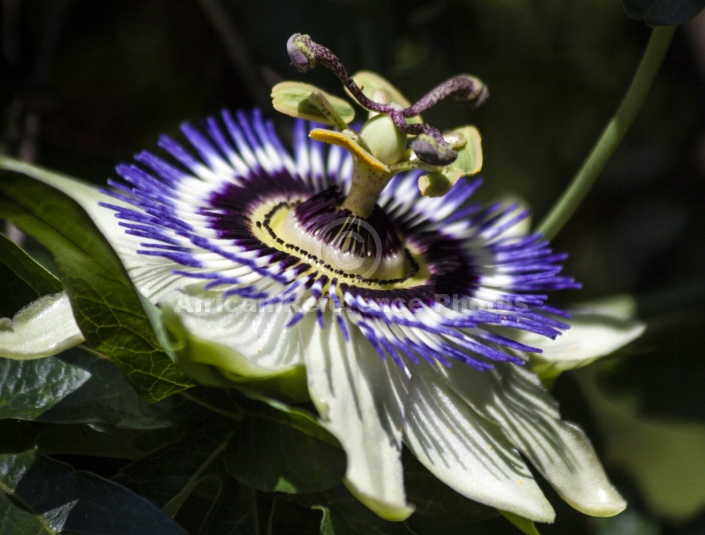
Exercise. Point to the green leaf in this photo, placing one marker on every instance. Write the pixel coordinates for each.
(664, 457)
(663, 12)
(297, 431)
(22, 279)
(189, 476)
(43, 328)
(270, 453)
(525, 525)
(292, 98)
(630, 522)
(14, 519)
(226, 506)
(300, 419)
(101, 441)
(29, 388)
(17, 436)
(343, 514)
(76, 388)
(168, 476)
(194, 469)
(110, 313)
(49, 497)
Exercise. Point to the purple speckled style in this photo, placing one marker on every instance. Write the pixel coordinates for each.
(467, 281)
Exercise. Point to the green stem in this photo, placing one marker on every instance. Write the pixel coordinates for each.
(236, 415)
(612, 134)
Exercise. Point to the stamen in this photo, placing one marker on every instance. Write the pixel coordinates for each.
(432, 149)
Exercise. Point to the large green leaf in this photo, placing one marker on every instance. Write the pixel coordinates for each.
(225, 433)
(76, 388)
(168, 476)
(271, 453)
(439, 509)
(48, 497)
(298, 418)
(111, 315)
(207, 420)
(187, 477)
(229, 508)
(187, 480)
(664, 457)
(343, 514)
(112, 443)
(524, 525)
(21, 278)
(663, 12)
(30, 387)
(17, 436)
(630, 522)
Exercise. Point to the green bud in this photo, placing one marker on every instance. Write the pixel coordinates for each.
(385, 140)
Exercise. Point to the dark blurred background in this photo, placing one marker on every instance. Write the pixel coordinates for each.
(84, 84)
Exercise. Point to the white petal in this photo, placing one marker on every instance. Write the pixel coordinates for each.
(242, 339)
(360, 399)
(152, 275)
(467, 452)
(595, 332)
(41, 329)
(514, 398)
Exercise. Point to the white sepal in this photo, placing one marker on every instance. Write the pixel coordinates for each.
(467, 452)
(360, 399)
(595, 332)
(514, 398)
(43, 328)
(240, 338)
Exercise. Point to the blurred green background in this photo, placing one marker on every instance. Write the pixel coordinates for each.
(84, 84)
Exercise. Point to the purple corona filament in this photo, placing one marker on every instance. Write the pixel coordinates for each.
(434, 279)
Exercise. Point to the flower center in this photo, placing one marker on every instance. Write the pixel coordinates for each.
(365, 248)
